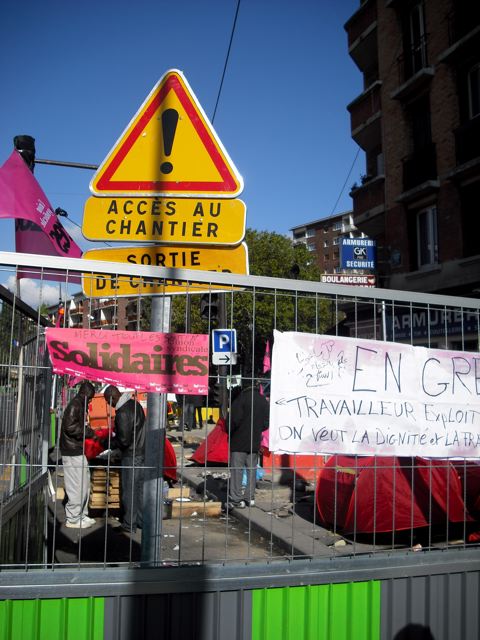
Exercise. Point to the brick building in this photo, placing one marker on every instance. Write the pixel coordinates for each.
(322, 238)
(98, 313)
(418, 122)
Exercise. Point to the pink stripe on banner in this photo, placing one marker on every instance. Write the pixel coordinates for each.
(141, 360)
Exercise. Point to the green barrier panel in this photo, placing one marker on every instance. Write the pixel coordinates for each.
(53, 429)
(23, 470)
(348, 611)
(56, 619)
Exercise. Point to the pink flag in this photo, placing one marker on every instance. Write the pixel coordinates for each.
(30, 238)
(22, 197)
(267, 365)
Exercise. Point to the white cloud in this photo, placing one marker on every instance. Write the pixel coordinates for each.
(34, 292)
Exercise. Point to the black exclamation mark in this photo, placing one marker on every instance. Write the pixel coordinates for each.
(169, 126)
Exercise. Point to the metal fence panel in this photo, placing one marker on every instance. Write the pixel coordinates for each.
(285, 523)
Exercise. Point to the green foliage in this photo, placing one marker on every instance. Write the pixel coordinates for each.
(274, 255)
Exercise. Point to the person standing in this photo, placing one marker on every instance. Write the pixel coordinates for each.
(249, 416)
(198, 405)
(130, 439)
(191, 411)
(74, 430)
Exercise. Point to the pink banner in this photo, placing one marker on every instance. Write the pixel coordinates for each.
(141, 360)
(22, 197)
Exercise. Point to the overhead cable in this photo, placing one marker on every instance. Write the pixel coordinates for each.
(226, 61)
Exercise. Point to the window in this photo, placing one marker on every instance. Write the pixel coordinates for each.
(418, 50)
(336, 240)
(427, 244)
(474, 91)
(380, 164)
(420, 123)
(325, 243)
(337, 225)
(310, 233)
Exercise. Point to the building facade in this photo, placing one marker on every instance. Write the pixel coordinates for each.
(418, 122)
(322, 238)
(97, 313)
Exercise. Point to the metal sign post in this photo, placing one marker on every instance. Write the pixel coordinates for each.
(153, 507)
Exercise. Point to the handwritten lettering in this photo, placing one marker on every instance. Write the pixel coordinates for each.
(343, 395)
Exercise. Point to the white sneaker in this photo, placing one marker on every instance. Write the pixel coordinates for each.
(88, 519)
(250, 503)
(84, 523)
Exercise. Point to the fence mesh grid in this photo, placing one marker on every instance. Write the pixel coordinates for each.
(305, 506)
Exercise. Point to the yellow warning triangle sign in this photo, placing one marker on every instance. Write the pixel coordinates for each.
(169, 149)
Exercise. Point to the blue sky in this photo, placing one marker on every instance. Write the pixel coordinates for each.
(74, 74)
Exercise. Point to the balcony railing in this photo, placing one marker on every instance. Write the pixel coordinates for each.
(360, 21)
(466, 141)
(365, 106)
(419, 167)
(369, 195)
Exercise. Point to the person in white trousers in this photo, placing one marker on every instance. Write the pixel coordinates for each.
(74, 430)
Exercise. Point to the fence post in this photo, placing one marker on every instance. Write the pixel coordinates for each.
(152, 532)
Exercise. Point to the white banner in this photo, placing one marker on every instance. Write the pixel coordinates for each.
(345, 395)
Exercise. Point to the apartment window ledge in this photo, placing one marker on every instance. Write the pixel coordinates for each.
(471, 261)
(427, 270)
(451, 51)
(463, 169)
(421, 190)
(412, 84)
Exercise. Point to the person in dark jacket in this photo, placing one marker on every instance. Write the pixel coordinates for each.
(130, 439)
(249, 416)
(76, 476)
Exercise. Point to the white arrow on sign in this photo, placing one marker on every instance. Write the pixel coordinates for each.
(224, 358)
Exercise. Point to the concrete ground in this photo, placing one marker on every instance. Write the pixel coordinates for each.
(185, 539)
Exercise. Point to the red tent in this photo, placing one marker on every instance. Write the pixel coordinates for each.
(384, 494)
(469, 472)
(169, 461)
(215, 446)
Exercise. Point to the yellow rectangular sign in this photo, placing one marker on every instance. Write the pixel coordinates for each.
(172, 220)
(220, 259)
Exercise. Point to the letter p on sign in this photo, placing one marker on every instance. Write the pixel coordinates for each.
(224, 341)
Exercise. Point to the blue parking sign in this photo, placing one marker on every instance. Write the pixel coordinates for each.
(224, 340)
(224, 346)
